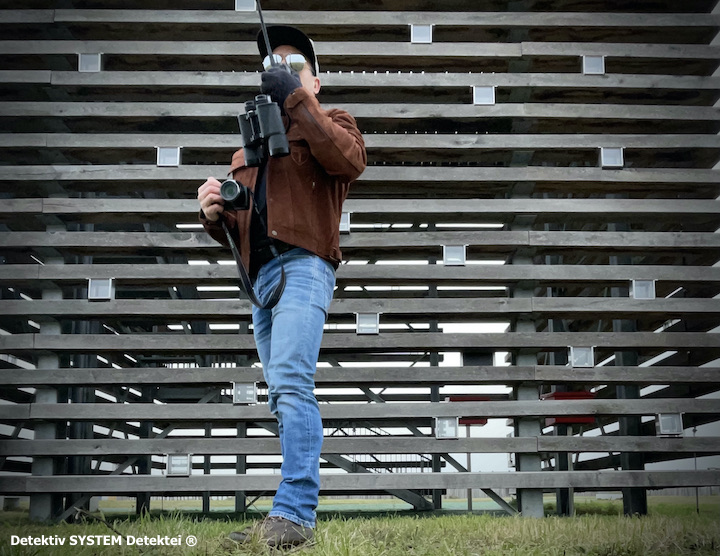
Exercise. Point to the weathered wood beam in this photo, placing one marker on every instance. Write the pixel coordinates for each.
(366, 111)
(497, 240)
(460, 141)
(361, 48)
(452, 309)
(355, 445)
(138, 209)
(365, 79)
(163, 274)
(380, 17)
(381, 376)
(351, 342)
(227, 412)
(589, 480)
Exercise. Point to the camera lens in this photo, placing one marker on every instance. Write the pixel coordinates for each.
(229, 190)
(235, 195)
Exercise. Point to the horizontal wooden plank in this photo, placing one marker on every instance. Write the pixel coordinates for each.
(26, 76)
(261, 412)
(390, 309)
(22, 206)
(20, 412)
(617, 50)
(162, 274)
(664, 178)
(335, 376)
(249, 49)
(366, 79)
(621, 308)
(22, 342)
(377, 240)
(688, 240)
(615, 375)
(380, 239)
(535, 141)
(367, 48)
(601, 480)
(628, 444)
(665, 209)
(541, 207)
(117, 240)
(349, 342)
(27, 16)
(375, 18)
(263, 446)
(458, 141)
(383, 376)
(222, 310)
(366, 111)
(357, 445)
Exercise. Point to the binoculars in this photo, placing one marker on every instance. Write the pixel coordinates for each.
(263, 131)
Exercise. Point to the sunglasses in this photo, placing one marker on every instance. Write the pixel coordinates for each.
(295, 62)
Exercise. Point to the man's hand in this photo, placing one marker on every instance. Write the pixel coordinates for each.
(278, 82)
(211, 202)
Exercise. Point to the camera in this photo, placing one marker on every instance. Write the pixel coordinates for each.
(263, 131)
(235, 195)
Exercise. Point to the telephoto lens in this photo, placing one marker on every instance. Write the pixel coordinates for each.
(235, 195)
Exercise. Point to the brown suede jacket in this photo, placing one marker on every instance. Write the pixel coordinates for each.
(305, 190)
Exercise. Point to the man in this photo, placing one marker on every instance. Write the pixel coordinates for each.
(296, 206)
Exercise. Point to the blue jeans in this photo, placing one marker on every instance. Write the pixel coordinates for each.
(288, 342)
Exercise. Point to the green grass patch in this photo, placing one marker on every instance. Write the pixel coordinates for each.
(671, 529)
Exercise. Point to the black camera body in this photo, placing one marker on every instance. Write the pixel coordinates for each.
(235, 195)
(263, 131)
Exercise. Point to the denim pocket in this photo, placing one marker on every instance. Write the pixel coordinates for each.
(328, 275)
(258, 285)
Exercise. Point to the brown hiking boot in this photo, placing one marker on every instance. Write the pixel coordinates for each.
(276, 532)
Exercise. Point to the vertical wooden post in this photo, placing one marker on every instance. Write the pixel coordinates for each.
(435, 390)
(634, 498)
(242, 430)
(241, 469)
(207, 470)
(530, 501)
(144, 464)
(44, 506)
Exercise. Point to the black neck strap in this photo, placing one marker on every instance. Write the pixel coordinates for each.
(245, 282)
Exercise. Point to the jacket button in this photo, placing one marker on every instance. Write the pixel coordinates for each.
(274, 233)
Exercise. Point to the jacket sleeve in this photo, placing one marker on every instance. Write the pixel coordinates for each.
(215, 229)
(333, 136)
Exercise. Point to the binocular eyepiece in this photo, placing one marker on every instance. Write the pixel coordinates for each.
(263, 131)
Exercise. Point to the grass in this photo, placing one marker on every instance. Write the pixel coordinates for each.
(671, 529)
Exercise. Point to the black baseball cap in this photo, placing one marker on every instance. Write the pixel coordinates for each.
(291, 36)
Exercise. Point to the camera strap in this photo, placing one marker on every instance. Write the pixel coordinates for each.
(245, 282)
